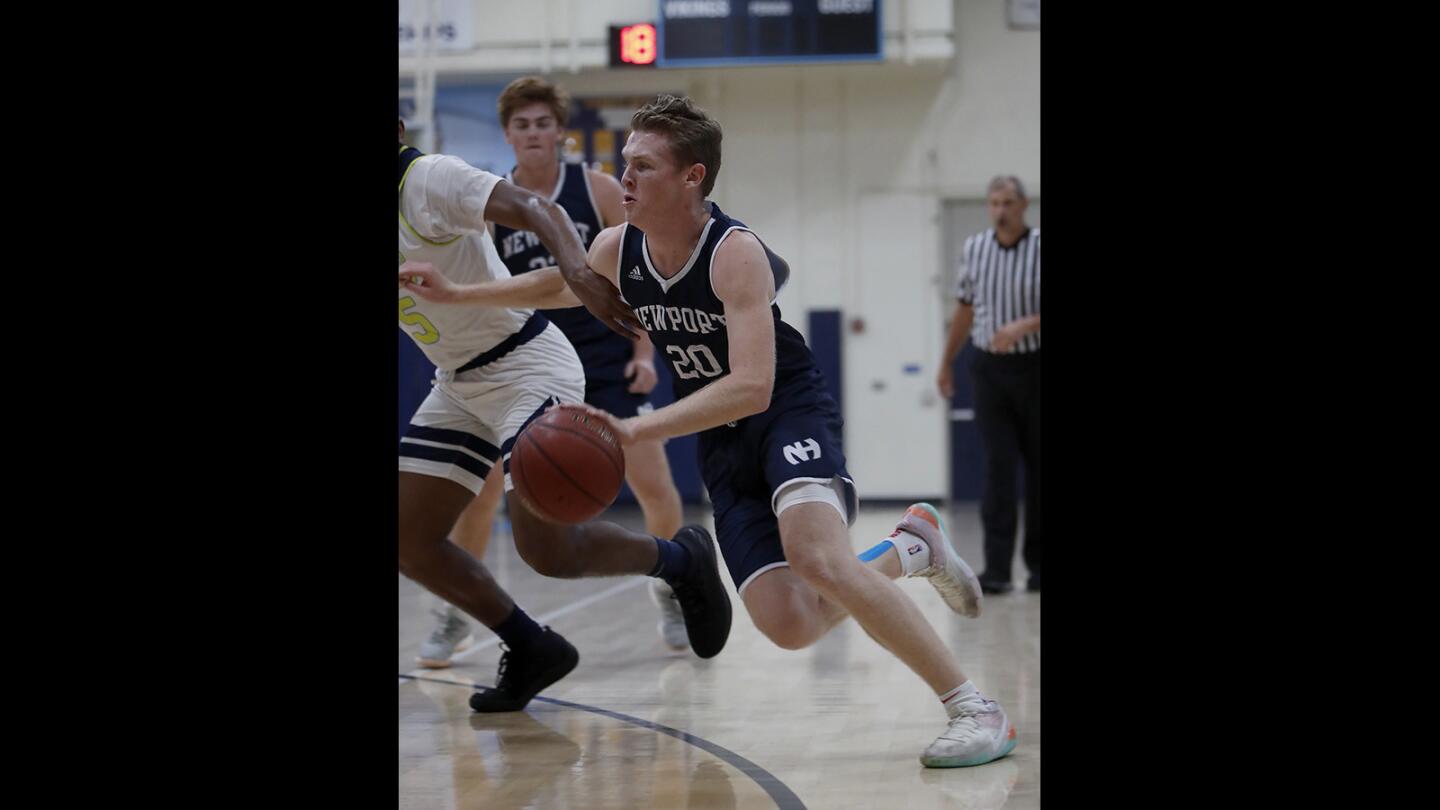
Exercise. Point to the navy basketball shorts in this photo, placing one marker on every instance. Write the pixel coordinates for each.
(744, 467)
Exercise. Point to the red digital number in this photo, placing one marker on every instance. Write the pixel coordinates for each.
(637, 44)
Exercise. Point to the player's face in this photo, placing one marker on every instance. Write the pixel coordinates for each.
(1007, 210)
(653, 183)
(534, 134)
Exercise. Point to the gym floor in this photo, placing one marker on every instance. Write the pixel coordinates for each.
(838, 725)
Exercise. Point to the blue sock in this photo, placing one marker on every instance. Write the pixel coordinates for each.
(518, 629)
(673, 560)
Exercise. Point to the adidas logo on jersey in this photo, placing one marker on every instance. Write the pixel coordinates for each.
(635, 273)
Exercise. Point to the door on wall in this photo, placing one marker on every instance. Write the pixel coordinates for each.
(962, 218)
(894, 420)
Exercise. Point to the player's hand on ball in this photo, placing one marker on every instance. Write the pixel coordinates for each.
(624, 433)
(425, 281)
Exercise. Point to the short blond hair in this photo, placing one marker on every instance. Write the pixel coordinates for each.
(694, 136)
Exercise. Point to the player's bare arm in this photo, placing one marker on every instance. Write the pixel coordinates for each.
(541, 289)
(519, 208)
(605, 256)
(608, 198)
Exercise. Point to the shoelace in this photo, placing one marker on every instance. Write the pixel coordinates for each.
(447, 630)
(450, 624)
(500, 684)
(966, 724)
(454, 624)
(690, 602)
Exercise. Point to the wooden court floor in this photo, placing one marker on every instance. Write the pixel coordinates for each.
(838, 725)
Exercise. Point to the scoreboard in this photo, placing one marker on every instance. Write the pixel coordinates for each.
(701, 33)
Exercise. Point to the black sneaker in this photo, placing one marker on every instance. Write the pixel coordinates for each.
(524, 673)
(702, 594)
(992, 585)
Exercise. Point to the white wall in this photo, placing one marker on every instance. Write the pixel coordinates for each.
(571, 35)
(843, 170)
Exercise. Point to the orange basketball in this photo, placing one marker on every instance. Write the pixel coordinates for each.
(567, 466)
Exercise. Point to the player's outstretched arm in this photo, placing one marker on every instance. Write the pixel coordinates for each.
(539, 289)
(520, 208)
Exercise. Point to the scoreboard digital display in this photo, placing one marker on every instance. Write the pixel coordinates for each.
(701, 33)
(632, 45)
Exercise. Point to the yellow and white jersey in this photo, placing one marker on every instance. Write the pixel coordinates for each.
(442, 221)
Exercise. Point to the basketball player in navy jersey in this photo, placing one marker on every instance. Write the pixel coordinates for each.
(704, 286)
(619, 373)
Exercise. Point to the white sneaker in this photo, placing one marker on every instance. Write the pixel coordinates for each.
(672, 620)
(955, 581)
(451, 635)
(978, 734)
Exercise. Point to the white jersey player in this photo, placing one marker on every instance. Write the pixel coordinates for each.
(499, 365)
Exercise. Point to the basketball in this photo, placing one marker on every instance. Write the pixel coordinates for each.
(567, 466)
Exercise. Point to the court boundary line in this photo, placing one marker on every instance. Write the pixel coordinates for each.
(778, 791)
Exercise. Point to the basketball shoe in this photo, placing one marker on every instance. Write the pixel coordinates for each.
(979, 732)
(956, 583)
(526, 671)
(701, 594)
(451, 635)
(672, 619)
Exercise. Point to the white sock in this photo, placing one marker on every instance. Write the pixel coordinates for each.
(964, 693)
(914, 552)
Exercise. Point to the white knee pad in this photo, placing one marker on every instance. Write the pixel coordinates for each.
(810, 491)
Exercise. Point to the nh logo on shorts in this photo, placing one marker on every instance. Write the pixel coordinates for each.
(802, 451)
(635, 273)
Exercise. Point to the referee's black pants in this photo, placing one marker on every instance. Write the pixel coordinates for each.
(1007, 414)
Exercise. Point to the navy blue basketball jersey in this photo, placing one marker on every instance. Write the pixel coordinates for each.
(686, 320)
(522, 252)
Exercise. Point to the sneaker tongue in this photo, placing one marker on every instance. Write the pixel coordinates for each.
(967, 705)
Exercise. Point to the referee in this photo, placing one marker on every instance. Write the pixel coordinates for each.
(999, 309)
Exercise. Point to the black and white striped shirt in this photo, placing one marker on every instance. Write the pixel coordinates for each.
(1003, 284)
